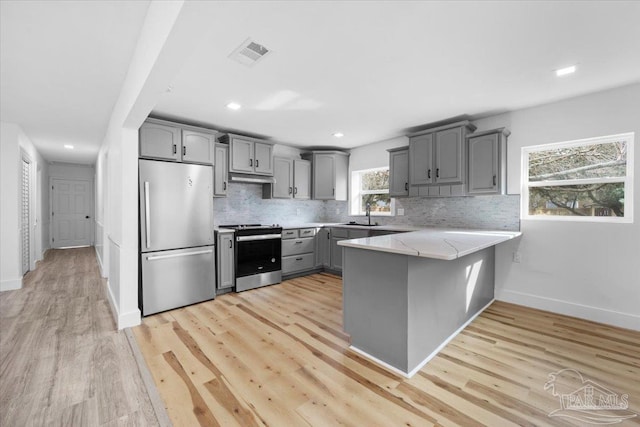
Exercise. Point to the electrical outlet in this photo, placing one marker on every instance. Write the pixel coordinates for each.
(517, 257)
(337, 211)
(400, 212)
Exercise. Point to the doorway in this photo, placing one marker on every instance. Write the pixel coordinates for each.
(71, 211)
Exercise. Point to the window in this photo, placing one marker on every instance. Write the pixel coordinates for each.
(370, 186)
(585, 180)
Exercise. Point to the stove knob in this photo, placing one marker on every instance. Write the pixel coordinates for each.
(273, 260)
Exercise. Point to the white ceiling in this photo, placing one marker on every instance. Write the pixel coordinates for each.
(368, 69)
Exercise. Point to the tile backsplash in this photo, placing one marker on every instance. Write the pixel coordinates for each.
(244, 204)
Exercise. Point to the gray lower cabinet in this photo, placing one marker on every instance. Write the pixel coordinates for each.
(487, 162)
(323, 246)
(338, 234)
(298, 250)
(225, 260)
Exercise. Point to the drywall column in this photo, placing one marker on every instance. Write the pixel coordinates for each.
(10, 274)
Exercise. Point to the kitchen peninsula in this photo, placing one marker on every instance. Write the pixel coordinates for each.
(406, 295)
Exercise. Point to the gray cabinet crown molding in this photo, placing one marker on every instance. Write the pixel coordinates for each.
(470, 128)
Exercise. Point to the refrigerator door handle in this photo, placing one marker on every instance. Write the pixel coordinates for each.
(147, 215)
(157, 257)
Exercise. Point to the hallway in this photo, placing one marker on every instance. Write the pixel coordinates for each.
(62, 360)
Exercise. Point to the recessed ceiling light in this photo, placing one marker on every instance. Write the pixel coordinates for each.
(565, 71)
(234, 106)
(68, 146)
(338, 134)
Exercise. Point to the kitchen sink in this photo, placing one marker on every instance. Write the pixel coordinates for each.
(360, 224)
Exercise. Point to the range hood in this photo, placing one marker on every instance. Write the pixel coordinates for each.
(251, 179)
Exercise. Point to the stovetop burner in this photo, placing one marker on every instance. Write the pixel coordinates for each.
(251, 226)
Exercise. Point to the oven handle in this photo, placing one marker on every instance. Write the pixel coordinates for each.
(258, 237)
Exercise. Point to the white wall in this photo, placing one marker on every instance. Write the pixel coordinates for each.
(588, 270)
(13, 142)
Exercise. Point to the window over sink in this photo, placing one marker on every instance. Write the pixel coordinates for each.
(583, 180)
(370, 186)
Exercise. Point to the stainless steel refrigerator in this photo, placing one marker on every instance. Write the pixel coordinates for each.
(176, 235)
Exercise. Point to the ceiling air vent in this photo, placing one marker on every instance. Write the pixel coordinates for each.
(249, 52)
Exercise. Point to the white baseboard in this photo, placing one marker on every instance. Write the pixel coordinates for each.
(124, 320)
(103, 273)
(429, 357)
(595, 314)
(10, 285)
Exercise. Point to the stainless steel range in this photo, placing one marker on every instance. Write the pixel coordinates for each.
(258, 255)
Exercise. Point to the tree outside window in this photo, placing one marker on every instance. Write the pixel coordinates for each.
(579, 180)
(370, 186)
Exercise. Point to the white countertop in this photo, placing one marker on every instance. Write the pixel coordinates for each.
(389, 227)
(438, 243)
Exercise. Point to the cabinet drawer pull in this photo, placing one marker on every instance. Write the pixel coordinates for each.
(298, 259)
(306, 231)
(298, 242)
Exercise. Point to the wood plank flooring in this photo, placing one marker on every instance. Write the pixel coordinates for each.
(62, 360)
(277, 356)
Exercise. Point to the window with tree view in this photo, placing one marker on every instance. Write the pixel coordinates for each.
(589, 180)
(370, 186)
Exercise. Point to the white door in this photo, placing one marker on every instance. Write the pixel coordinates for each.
(72, 202)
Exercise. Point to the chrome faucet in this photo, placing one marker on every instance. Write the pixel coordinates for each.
(368, 212)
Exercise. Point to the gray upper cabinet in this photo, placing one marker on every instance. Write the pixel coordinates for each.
(487, 162)
(330, 171)
(197, 147)
(420, 159)
(161, 139)
(249, 155)
(438, 160)
(220, 170)
(399, 172)
(263, 158)
(158, 141)
(449, 156)
(292, 179)
(301, 179)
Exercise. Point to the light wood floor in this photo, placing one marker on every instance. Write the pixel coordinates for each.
(277, 356)
(62, 360)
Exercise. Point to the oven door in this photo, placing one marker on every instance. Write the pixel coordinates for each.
(258, 254)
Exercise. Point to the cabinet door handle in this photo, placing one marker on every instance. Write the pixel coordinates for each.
(295, 190)
(494, 180)
(290, 190)
(437, 172)
(251, 162)
(224, 185)
(406, 186)
(230, 244)
(429, 174)
(333, 192)
(257, 162)
(184, 151)
(175, 149)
